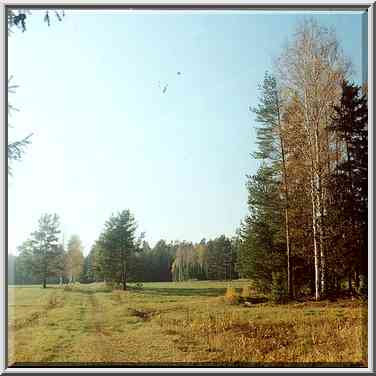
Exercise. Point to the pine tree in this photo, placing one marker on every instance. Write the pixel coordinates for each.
(272, 149)
(262, 248)
(117, 244)
(43, 251)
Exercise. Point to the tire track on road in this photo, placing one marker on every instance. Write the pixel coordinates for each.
(102, 345)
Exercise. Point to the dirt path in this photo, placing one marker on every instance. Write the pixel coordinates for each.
(101, 344)
(86, 326)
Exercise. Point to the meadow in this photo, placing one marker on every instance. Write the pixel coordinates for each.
(180, 323)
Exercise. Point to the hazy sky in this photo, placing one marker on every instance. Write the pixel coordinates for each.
(106, 138)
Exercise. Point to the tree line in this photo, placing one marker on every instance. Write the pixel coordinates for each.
(118, 256)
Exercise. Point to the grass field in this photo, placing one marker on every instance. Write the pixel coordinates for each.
(180, 323)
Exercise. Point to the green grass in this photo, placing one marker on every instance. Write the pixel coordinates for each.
(185, 323)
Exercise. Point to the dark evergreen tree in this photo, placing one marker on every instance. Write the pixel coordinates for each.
(273, 151)
(117, 243)
(220, 259)
(262, 250)
(349, 199)
(42, 252)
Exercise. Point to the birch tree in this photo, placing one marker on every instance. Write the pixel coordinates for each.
(74, 258)
(311, 69)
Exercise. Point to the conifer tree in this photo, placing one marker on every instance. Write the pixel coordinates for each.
(45, 255)
(117, 243)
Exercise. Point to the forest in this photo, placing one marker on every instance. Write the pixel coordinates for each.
(305, 233)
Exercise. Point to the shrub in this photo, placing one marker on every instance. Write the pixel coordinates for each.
(68, 288)
(279, 290)
(231, 296)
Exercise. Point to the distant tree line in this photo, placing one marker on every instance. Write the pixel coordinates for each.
(134, 260)
(118, 256)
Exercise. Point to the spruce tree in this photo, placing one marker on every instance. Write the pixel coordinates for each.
(117, 243)
(44, 252)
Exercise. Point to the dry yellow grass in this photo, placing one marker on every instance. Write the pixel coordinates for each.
(231, 296)
(246, 292)
(181, 323)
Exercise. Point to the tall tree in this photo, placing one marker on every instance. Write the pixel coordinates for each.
(42, 250)
(74, 258)
(118, 242)
(262, 247)
(311, 68)
(201, 250)
(184, 266)
(95, 272)
(272, 148)
(350, 181)
(220, 258)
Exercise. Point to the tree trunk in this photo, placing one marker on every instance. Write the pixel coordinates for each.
(288, 250)
(319, 209)
(44, 282)
(338, 286)
(284, 173)
(315, 245)
(350, 283)
(124, 282)
(288, 245)
(124, 275)
(357, 279)
(312, 143)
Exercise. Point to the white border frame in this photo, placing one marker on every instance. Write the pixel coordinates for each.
(264, 3)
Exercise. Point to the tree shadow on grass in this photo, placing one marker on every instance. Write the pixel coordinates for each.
(88, 291)
(182, 291)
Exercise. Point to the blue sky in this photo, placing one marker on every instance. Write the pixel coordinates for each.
(105, 136)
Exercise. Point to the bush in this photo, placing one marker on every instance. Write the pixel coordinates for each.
(231, 296)
(139, 285)
(279, 289)
(68, 287)
(71, 287)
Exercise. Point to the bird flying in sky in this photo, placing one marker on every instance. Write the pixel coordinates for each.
(164, 89)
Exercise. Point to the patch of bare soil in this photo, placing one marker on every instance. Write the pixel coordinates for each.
(28, 321)
(53, 302)
(143, 315)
